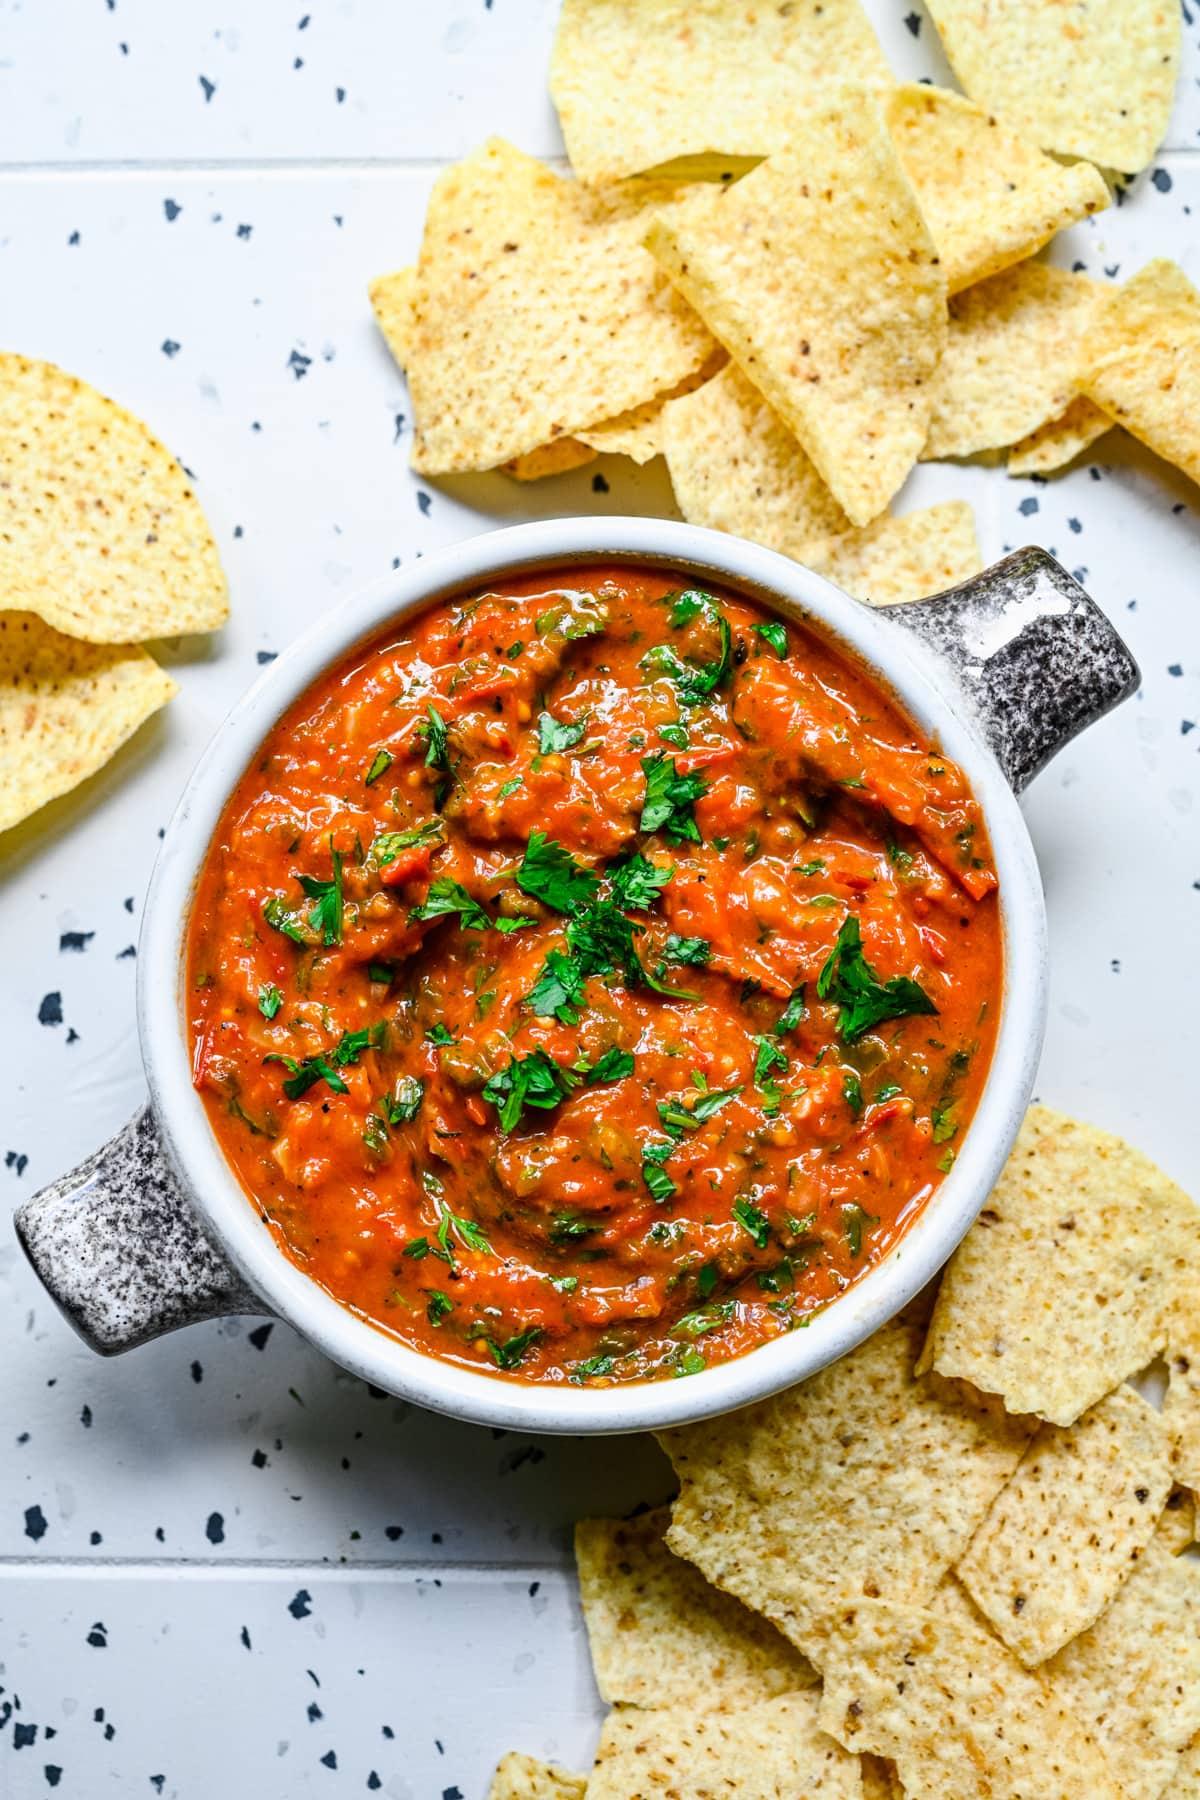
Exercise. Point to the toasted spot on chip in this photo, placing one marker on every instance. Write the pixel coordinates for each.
(1143, 362)
(818, 275)
(1012, 358)
(100, 532)
(558, 458)
(1186, 1782)
(537, 312)
(990, 198)
(736, 467)
(638, 83)
(1134, 1678)
(394, 300)
(759, 1753)
(1064, 1286)
(1053, 445)
(1081, 79)
(66, 707)
(863, 1480)
(958, 1714)
(661, 1635)
(1070, 1526)
(880, 1780)
(1177, 1527)
(521, 1777)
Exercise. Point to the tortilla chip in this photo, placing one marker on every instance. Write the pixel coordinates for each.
(558, 458)
(99, 531)
(1134, 1678)
(1012, 358)
(880, 1780)
(1186, 1782)
(863, 1480)
(990, 198)
(638, 83)
(736, 467)
(1081, 79)
(660, 1634)
(818, 275)
(537, 311)
(1063, 1288)
(521, 1777)
(760, 1753)
(1177, 1527)
(1181, 1407)
(960, 1717)
(66, 707)
(1143, 362)
(394, 300)
(1070, 1526)
(1053, 445)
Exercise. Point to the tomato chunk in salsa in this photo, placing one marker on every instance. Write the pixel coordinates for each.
(593, 978)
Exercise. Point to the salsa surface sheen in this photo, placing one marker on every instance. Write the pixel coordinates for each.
(591, 982)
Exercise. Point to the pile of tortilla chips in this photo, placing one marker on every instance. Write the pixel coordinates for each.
(795, 278)
(951, 1565)
(102, 546)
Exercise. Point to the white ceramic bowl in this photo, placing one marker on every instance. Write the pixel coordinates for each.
(117, 1242)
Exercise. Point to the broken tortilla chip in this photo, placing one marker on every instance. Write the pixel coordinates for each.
(558, 458)
(100, 532)
(660, 1634)
(66, 707)
(759, 1753)
(1012, 358)
(845, 354)
(1181, 1406)
(736, 467)
(1070, 1526)
(638, 83)
(990, 198)
(1080, 79)
(1142, 362)
(537, 312)
(394, 301)
(1177, 1527)
(861, 1480)
(960, 1717)
(521, 1777)
(1133, 1680)
(1102, 1240)
(1053, 445)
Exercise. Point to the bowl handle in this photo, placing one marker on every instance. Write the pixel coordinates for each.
(120, 1250)
(1033, 653)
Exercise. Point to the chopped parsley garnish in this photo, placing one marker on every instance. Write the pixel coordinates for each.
(676, 734)
(552, 875)
(554, 736)
(637, 882)
(751, 1219)
(439, 1306)
(852, 1092)
(899, 859)
(440, 1034)
(404, 1102)
(943, 1122)
(305, 1072)
(600, 1364)
(815, 867)
(288, 920)
(382, 972)
(659, 1183)
(446, 897)
(670, 799)
(854, 1221)
(470, 1235)
(776, 635)
(888, 1091)
(865, 1001)
(375, 1134)
(707, 1280)
(509, 1354)
(269, 1000)
(381, 762)
(695, 681)
(946, 1162)
(437, 740)
(511, 786)
(558, 990)
(326, 916)
(704, 1319)
(676, 1117)
(767, 1056)
(528, 1081)
(417, 1248)
(388, 844)
(567, 1227)
(688, 1360)
(792, 1013)
(614, 1065)
(694, 951)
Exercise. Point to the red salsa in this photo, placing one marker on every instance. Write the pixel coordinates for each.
(590, 980)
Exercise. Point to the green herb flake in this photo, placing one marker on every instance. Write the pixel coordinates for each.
(945, 1125)
(670, 799)
(286, 919)
(551, 874)
(614, 1065)
(704, 1319)
(792, 1013)
(707, 1280)
(437, 740)
(751, 1219)
(510, 786)
(600, 1364)
(439, 1306)
(269, 1000)
(767, 1056)
(326, 916)
(305, 1072)
(554, 736)
(852, 1092)
(776, 635)
(404, 1102)
(509, 1354)
(447, 897)
(637, 882)
(381, 762)
(854, 1222)
(528, 1081)
(440, 1034)
(865, 1001)
(417, 1248)
(676, 734)
(693, 951)
(946, 1162)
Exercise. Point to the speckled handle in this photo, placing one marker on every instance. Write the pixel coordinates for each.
(120, 1249)
(1034, 655)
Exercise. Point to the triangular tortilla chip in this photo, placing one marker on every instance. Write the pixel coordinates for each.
(100, 532)
(536, 313)
(960, 1716)
(1143, 362)
(638, 83)
(818, 275)
(763, 1752)
(1012, 358)
(394, 300)
(1070, 1526)
(1075, 77)
(863, 1480)
(65, 708)
(990, 198)
(521, 1777)
(1065, 1286)
(737, 468)
(660, 1634)
(1053, 445)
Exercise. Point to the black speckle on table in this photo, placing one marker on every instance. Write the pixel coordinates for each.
(244, 231)
(75, 940)
(1029, 505)
(196, 1372)
(73, 240)
(53, 1774)
(127, 954)
(16, 1160)
(1162, 181)
(244, 1635)
(170, 347)
(398, 428)
(97, 1637)
(299, 364)
(1175, 669)
(314, 1712)
(424, 501)
(24, 1736)
(300, 1605)
(263, 657)
(599, 485)
(339, 95)
(258, 1337)
(85, 1416)
(128, 903)
(208, 87)
(913, 21)
(50, 1012)
(329, 1760)
(214, 1528)
(172, 209)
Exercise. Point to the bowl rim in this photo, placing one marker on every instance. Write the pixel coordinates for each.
(889, 655)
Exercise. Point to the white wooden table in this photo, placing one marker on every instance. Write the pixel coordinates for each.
(226, 1568)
